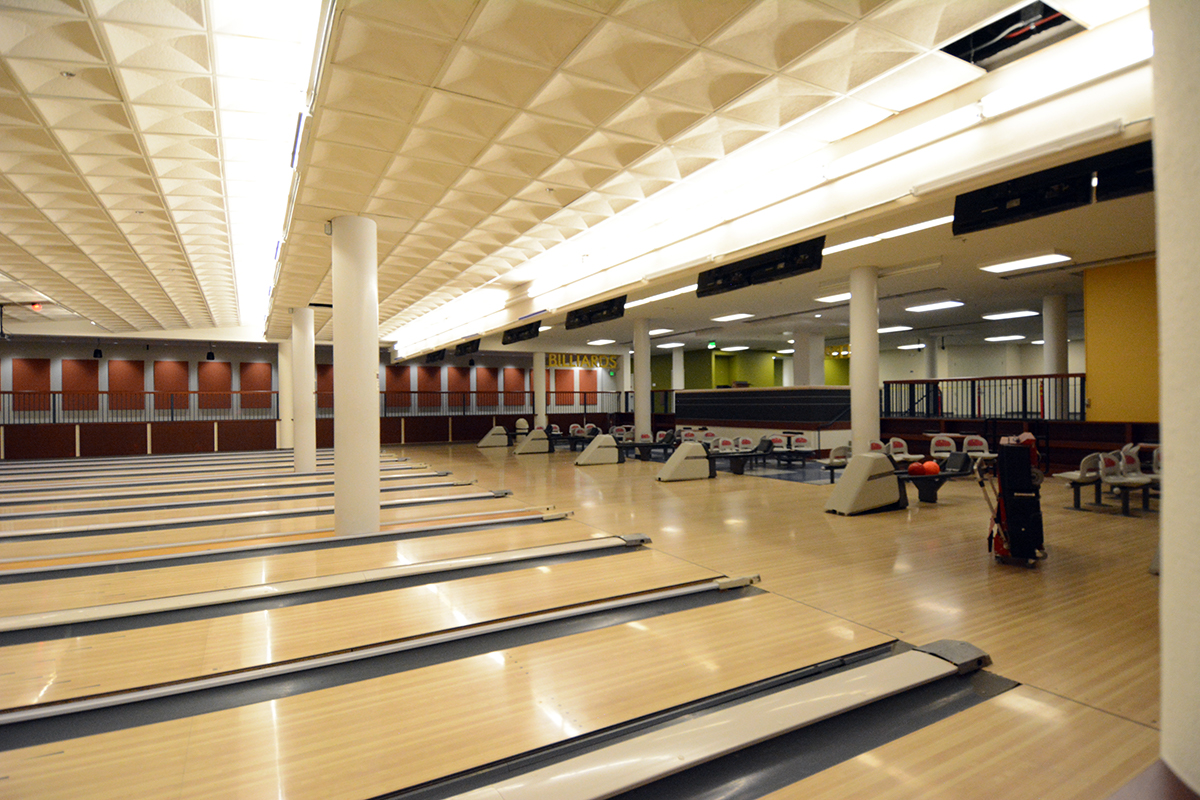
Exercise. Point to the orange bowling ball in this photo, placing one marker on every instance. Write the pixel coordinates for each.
(916, 468)
(932, 468)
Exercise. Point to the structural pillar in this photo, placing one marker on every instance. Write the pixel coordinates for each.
(286, 408)
(788, 378)
(1054, 334)
(304, 391)
(678, 379)
(355, 376)
(816, 359)
(641, 378)
(864, 358)
(1177, 172)
(931, 358)
(538, 382)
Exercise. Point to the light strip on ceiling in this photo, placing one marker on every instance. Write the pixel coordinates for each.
(841, 297)
(895, 329)
(732, 317)
(669, 345)
(910, 347)
(916, 137)
(1010, 315)
(934, 306)
(736, 348)
(262, 62)
(1013, 338)
(1040, 260)
(662, 296)
(879, 237)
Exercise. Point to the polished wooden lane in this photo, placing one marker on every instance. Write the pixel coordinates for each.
(140, 493)
(245, 533)
(1022, 744)
(383, 734)
(132, 518)
(35, 597)
(1082, 624)
(167, 477)
(68, 669)
(164, 502)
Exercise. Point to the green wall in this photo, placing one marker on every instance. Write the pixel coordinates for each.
(837, 372)
(698, 369)
(660, 372)
(722, 374)
(755, 367)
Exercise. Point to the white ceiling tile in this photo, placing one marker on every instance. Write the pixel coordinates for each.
(389, 51)
(48, 37)
(777, 102)
(686, 20)
(774, 33)
(579, 100)
(625, 57)
(475, 72)
(519, 28)
(852, 58)
(921, 79)
(935, 23)
(444, 18)
(707, 81)
(186, 14)
(143, 46)
(46, 79)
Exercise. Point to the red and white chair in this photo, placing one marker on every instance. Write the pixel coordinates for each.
(898, 449)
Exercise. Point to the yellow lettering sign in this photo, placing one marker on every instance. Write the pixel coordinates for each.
(581, 360)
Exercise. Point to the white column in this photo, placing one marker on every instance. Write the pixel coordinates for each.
(678, 379)
(355, 376)
(1177, 173)
(801, 363)
(641, 378)
(304, 387)
(1054, 334)
(931, 358)
(788, 378)
(539, 390)
(286, 408)
(864, 358)
(816, 359)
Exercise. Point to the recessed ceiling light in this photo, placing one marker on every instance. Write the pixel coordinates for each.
(1038, 341)
(817, 316)
(786, 352)
(934, 306)
(1012, 338)
(734, 348)
(662, 296)
(910, 347)
(661, 331)
(1042, 260)
(729, 317)
(1011, 315)
(669, 345)
(598, 342)
(545, 328)
(791, 341)
(833, 298)
(894, 329)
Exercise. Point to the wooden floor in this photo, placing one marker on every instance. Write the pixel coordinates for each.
(1078, 631)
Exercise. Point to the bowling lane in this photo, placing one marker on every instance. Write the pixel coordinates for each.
(98, 502)
(102, 520)
(43, 673)
(34, 597)
(346, 741)
(247, 531)
(143, 492)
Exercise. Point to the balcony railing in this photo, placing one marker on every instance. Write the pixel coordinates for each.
(1048, 397)
(17, 408)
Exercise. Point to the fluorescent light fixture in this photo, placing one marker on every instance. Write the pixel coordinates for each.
(662, 296)
(892, 234)
(1038, 341)
(729, 317)
(669, 345)
(910, 347)
(791, 341)
(1053, 257)
(661, 331)
(599, 342)
(1013, 338)
(934, 306)
(918, 136)
(786, 352)
(833, 298)
(544, 328)
(734, 348)
(1010, 315)
(894, 329)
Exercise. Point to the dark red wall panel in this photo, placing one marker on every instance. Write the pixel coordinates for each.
(324, 386)
(181, 437)
(24, 442)
(81, 384)
(126, 384)
(514, 386)
(429, 384)
(255, 380)
(31, 385)
(214, 380)
(112, 439)
(171, 385)
(427, 429)
(397, 385)
(246, 434)
(469, 429)
(325, 432)
(390, 429)
(486, 386)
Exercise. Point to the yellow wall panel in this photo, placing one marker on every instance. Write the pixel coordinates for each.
(1120, 313)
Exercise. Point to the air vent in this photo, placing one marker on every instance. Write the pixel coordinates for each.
(1014, 36)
